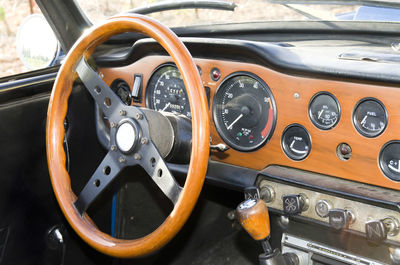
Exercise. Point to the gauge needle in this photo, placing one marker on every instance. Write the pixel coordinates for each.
(291, 145)
(363, 120)
(235, 121)
(166, 106)
(320, 113)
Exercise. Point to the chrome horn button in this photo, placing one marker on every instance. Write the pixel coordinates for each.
(126, 137)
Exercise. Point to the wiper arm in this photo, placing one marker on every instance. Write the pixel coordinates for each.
(184, 4)
(376, 3)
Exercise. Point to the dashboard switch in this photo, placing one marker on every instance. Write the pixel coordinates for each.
(376, 230)
(267, 193)
(322, 208)
(294, 204)
(340, 219)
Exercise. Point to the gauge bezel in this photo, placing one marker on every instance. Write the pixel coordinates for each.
(114, 87)
(147, 94)
(285, 147)
(383, 167)
(148, 91)
(315, 122)
(357, 126)
(218, 125)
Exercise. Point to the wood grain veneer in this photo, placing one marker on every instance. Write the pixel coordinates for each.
(363, 165)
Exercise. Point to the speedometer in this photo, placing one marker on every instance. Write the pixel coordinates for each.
(166, 91)
(244, 111)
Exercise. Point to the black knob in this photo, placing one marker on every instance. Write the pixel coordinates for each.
(376, 231)
(294, 204)
(340, 219)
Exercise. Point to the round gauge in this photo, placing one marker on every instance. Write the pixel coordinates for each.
(244, 111)
(166, 91)
(370, 117)
(296, 142)
(121, 88)
(324, 110)
(389, 160)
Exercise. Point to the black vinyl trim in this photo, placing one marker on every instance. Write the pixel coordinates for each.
(238, 178)
(269, 55)
(35, 80)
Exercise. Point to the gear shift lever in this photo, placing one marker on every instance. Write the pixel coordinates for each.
(253, 216)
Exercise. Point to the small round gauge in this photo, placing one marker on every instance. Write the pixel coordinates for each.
(370, 117)
(389, 160)
(121, 88)
(244, 111)
(324, 110)
(296, 142)
(166, 91)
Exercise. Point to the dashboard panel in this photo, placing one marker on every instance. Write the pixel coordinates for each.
(293, 95)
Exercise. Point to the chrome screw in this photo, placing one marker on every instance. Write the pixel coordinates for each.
(113, 148)
(101, 75)
(296, 95)
(137, 156)
(113, 124)
(122, 159)
(139, 116)
(144, 140)
(122, 112)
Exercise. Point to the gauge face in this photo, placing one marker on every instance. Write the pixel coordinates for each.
(389, 160)
(121, 88)
(244, 111)
(296, 142)
(324, 111)
(166, 91)
(370, 117)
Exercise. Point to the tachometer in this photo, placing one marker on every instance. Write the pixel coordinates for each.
(244, 111)
(166, 91)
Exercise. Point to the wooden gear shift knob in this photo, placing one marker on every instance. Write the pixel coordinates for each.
(253, 215)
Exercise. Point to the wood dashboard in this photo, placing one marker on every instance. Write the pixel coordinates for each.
(363, 166)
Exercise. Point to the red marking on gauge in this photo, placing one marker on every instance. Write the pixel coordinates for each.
(268, 127)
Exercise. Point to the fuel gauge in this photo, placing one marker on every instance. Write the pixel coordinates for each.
(296, 142)
(370, 117)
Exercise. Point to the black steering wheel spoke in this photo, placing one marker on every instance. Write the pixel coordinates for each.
(105, 173)
(105, 98)
(157, 169)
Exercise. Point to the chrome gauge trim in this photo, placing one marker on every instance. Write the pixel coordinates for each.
(316, 122)
(384, 167)
(218, 124)
(356, 124)
(150, 90)
(285, 146)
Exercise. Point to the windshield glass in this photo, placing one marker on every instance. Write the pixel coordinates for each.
(251, 11)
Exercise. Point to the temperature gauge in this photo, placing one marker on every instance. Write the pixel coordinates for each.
(370, 117)
(296, 142)
(324, 110)
(389, 160)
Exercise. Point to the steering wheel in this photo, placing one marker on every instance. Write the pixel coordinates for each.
(130, 139)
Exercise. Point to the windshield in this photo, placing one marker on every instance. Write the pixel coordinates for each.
(250, 11)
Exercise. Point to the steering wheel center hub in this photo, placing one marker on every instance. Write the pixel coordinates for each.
(126, 136)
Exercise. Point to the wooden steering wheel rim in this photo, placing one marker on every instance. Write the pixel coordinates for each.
(57, 110)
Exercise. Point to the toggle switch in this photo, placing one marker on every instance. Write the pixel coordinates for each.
(340, 219)
(295, 204)
(378, 230)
